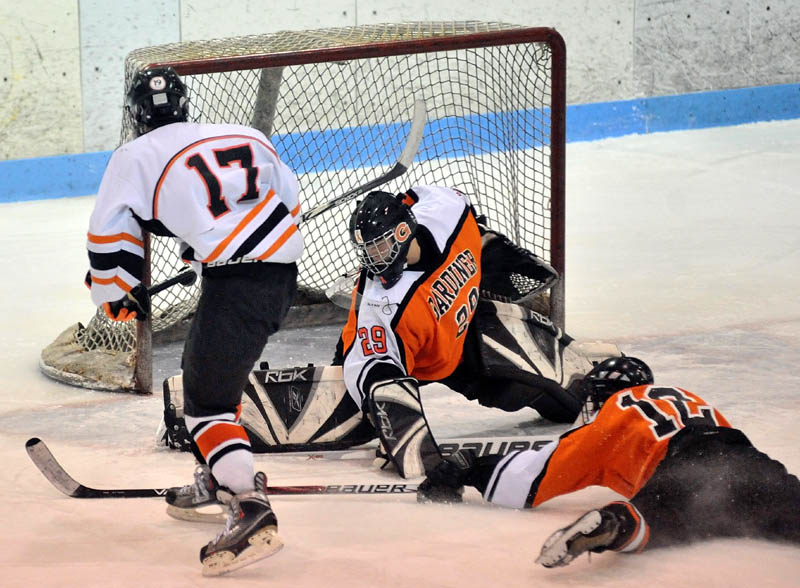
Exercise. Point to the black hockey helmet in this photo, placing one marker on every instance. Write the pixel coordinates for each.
(610, 376)
(156, 97)
(381, 230)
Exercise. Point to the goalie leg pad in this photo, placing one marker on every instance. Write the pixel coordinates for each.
(527, 361)
(293, 409)
(397, 414)
(303, 408)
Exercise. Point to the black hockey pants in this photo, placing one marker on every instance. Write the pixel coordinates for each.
(714, 483)
(235, 316)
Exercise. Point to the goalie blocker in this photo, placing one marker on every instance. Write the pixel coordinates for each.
(309, 409)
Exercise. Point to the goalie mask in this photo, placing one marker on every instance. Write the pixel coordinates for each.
(157, 97)
(381, 230)
(609, 377)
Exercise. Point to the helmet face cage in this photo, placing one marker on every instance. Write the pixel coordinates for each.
(378, 254)
(609, 377)
(381, 231)
(157, 97)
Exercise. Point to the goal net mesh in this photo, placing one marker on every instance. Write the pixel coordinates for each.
(337, 105)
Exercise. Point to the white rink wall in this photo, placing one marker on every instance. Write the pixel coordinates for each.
(62, 60)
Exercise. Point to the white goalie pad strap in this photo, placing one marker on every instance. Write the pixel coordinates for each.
(512, 477)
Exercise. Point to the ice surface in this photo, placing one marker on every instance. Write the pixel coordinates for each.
(684, 248)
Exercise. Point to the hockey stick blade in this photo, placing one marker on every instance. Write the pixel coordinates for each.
(43, 458)
(400, 167)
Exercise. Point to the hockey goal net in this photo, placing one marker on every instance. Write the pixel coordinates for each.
(337, 104)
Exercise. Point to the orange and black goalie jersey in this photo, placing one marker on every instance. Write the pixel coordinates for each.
(619, 449)
(418, 326)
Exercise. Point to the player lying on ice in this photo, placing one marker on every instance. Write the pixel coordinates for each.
(686, 474)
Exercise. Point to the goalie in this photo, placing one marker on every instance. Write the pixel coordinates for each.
(413, 320)
(439, 298)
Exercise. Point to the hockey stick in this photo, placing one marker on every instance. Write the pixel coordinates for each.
(53, 471)
(43, 458)
(184, 278)
(400, 167)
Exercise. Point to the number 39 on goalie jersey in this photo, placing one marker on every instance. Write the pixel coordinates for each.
(220, 189)
(619, 449)
(418, 326)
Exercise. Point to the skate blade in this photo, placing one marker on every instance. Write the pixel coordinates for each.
(194, 515)
(262, 545)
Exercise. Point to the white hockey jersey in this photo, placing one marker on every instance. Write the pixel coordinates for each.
(220, 189)
(417, 327)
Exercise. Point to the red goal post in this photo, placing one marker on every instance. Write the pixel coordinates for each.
(337, 104)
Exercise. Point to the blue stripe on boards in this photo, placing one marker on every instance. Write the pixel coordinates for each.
(80, 174)
(52, 177)
(720, 108)
(380, 145)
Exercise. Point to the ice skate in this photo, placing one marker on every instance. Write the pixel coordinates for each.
(251, 534)
(197, 502)
(594, 531)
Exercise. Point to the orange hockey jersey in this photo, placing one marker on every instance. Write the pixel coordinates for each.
(417, 327)
(619, 449)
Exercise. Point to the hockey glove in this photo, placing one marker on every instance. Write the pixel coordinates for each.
(135, 304)
(445, 483)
